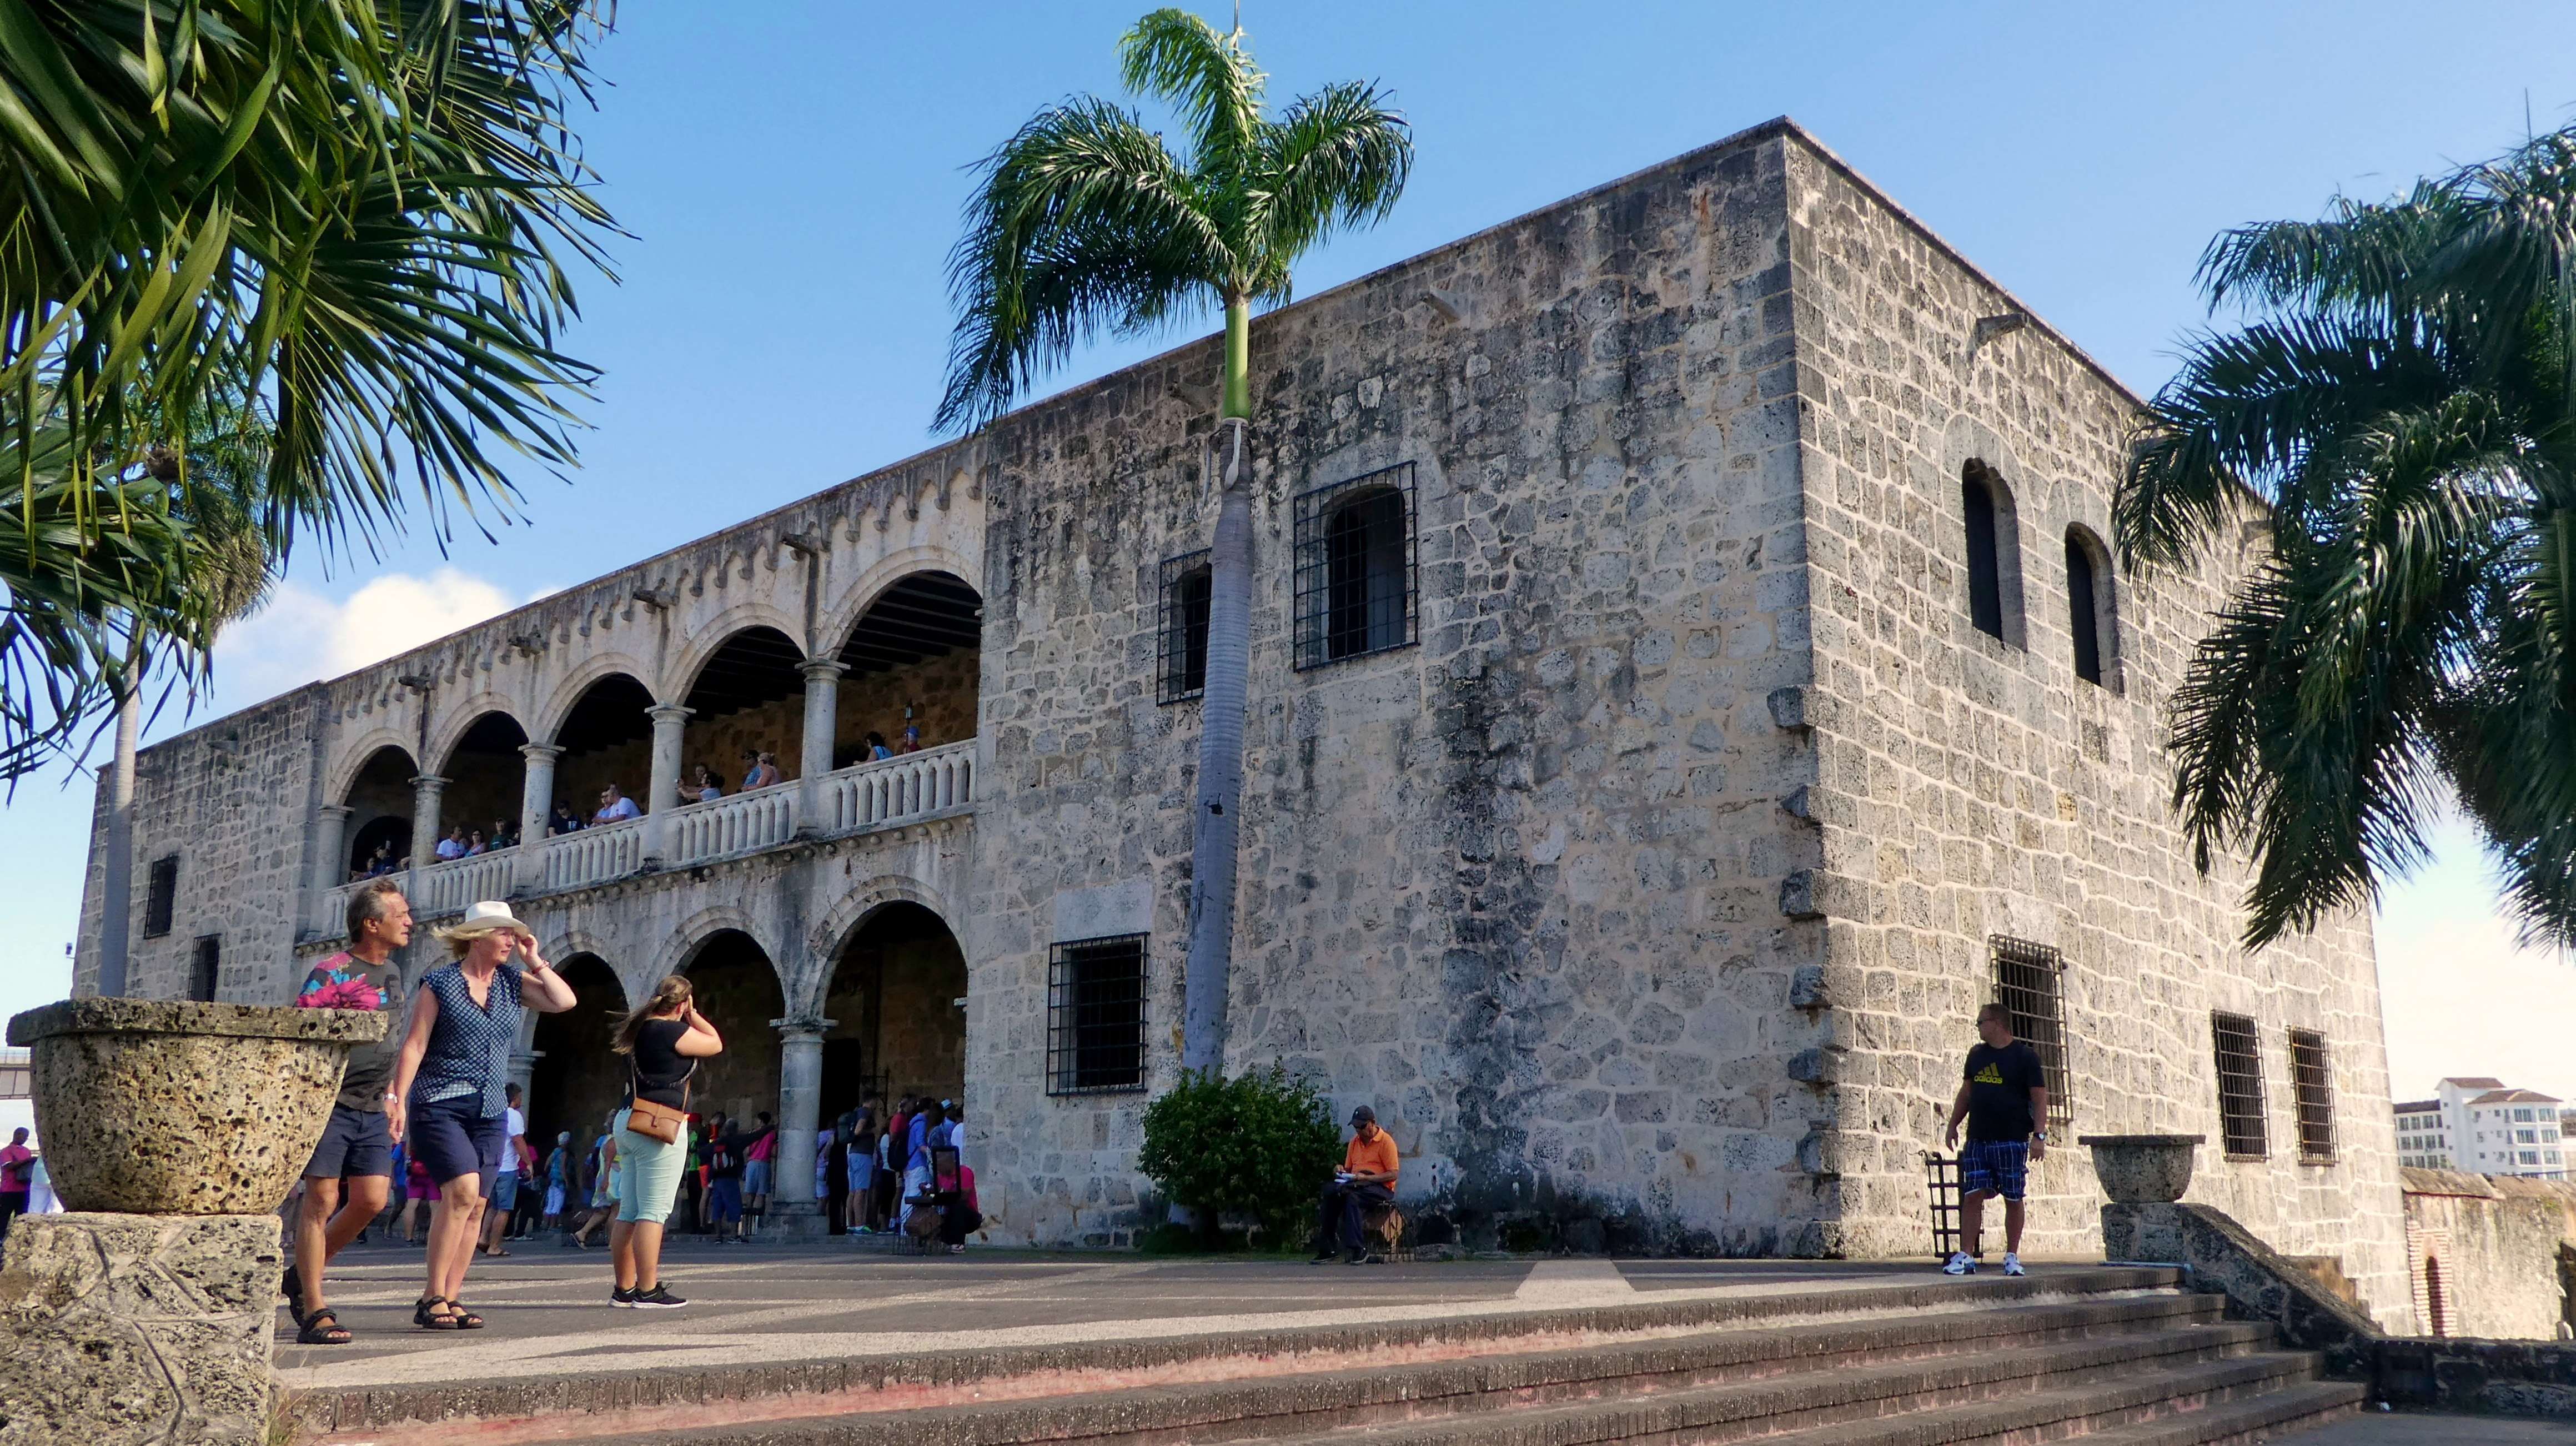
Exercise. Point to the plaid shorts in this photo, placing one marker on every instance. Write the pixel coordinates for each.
(1993, 1167)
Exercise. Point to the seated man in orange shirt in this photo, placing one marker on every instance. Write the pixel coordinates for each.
(1367, 1178)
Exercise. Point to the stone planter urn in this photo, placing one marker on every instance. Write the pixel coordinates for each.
(168, 1107)
(2142, 1169)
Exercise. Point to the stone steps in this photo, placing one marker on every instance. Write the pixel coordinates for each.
(2092, 1356)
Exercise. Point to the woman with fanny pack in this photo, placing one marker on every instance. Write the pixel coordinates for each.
(663, 1041)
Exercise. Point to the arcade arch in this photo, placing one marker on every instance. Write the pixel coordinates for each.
(606, 737)
(379, 801)
(484, 771)
(578, 1080)
(914, 659)
(749, 695)
(895, 999)
(738, 991)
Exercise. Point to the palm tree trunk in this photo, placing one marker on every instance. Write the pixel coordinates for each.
(1207, 978)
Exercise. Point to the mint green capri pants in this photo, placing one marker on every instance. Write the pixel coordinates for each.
(648, 1174)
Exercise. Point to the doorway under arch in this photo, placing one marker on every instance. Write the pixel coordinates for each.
(578, 1080)
(737, 990)
(896, 1000)
(380, 803)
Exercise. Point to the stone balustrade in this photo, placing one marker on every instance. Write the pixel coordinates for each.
(890, 790)
(594, 855)
(763, 818)
(448, 886)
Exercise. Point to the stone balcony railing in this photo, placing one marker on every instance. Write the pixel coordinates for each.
(854, 799)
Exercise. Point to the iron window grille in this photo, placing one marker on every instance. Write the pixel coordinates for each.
(160, 895)
(1356, 592)
(1096, 1016)
(2312, 1084)
(2028, 984)
(2240, 1086)
(1181, 628)
(205, 967)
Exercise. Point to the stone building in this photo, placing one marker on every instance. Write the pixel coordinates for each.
(1688, 679)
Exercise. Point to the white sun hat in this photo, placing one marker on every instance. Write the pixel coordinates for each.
(487, 917)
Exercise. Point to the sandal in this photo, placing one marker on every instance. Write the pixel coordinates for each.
(322, 1328)
(426, 1314)
(466, 1320)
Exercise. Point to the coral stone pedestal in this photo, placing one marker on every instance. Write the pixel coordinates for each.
(171, 1130)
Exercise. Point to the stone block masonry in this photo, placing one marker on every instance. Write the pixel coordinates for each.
(1643, 868)
(137, 1330)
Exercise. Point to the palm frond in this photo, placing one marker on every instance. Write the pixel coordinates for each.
(1339, 157)
(1174, 56)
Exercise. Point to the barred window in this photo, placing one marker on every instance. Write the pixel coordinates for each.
(204, 968)
(2027, 984)
(160, 894)
(1182, 628)
(1096, 1015)
(2240, 1085)
(2312, 1080)
(1355, 567)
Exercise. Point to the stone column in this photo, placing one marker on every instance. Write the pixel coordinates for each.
(822, 717)
(330, 865)
(536, 810)
(794, 1213)
(662, 794)
(425, 793)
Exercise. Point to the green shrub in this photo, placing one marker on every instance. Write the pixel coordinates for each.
(1260, 1144)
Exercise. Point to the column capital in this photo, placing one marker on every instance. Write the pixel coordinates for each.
(428, 781)
(818, 670)
(671, 713)
(340, 811)
(540, 752)
(807, 1028)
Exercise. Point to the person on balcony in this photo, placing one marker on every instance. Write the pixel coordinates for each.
(449, 1082)
(476, 845)
(707, 789)
(615, 807)
(505, 834)
(877, 748)
(911, 739)
(565, 821)
(452, 846)
(759, 770)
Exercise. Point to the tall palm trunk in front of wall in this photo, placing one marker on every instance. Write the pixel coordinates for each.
(1086, 223)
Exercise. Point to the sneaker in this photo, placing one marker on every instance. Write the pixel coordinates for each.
(2012, 1264)
(623, 1297)
(1357, 1257)
(1325, 1256)
(658, 1298)
(1961, 1263)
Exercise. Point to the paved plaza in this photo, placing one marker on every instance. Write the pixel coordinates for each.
(764, 1304)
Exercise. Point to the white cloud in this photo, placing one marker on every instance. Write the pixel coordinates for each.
(2458, 995)
(301, 635)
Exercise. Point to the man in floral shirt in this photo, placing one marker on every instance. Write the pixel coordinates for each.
(356, 1145)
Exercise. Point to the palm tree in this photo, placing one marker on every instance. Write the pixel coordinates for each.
(2398, 410)
(1085, 222)
(359, 216)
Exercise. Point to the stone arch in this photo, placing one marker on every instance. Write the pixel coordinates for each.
(355, 756)
(873, 581)
(454, 722)
(1989, 537)
(2092, 601)
(703, 925)
(844, 920)
(1966, 440)
(567, 694)
(709, 638)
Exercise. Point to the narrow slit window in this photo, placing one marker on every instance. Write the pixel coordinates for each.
(2082, 615)
(1096, 1016)
(205, 968)
(2029, 982)
(160, 896)
(2240, 1086)
(1985, 568)
(2312, 1078)
(1183, 628)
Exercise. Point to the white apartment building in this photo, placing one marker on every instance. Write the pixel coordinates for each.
(2481, 1126)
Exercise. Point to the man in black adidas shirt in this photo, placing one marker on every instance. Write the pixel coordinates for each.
(2004, 1098)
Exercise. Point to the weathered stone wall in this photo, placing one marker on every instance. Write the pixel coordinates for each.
(1969, 787)
(2485, 1253)
(1514, 886)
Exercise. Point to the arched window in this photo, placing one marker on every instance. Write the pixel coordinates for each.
(2089, 613)
(1355, 567)
(1994, 559)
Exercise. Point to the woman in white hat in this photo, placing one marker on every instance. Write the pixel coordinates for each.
(449, 1080)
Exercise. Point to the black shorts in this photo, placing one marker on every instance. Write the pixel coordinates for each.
(454, 1137)
(356, 1142)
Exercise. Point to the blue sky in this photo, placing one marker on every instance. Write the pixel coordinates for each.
(792, 174)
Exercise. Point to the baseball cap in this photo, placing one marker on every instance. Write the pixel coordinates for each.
(1364, 1113)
